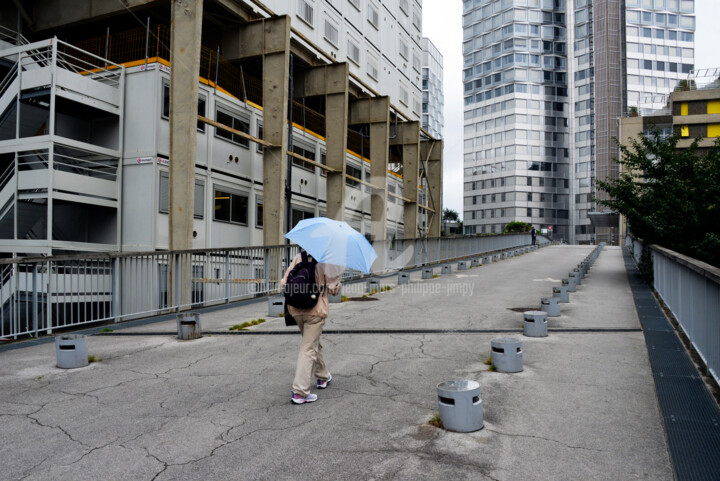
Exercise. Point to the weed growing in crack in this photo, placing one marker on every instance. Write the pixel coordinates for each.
(488, 361)
(92, 358)
(436, 421)
(245, 325)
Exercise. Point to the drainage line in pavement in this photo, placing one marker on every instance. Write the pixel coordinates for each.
(376, 331)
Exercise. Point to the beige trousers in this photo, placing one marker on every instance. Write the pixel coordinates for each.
(310, 360)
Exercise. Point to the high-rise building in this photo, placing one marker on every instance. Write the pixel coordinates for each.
(545, 83)
(433, 99)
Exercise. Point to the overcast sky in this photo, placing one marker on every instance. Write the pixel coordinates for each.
(442, 23)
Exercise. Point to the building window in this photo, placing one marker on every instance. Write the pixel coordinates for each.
(258, 211)
(404, 6)
(307, 153)
(231, 206)
(259, 146)
(403, 95)
(331, 32)
(372, 67)
(417, 21)
(416, 62)
(306, 12)
(234, 122)
(298, 215)
(198, 197)
(353, 52)
(403, 48)
(166, 106)
(354, 172)
(355, 3)
(373, 15)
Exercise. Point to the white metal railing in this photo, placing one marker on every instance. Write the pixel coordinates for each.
(691, 290)
(39, 295)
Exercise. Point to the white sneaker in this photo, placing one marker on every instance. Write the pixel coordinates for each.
(298, 399)
(323, 383)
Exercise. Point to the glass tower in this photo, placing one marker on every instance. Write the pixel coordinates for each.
(545, 82)
(432, 89)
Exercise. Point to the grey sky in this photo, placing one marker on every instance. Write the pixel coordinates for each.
(442, 23)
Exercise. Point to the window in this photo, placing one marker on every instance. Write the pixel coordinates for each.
(355, 3)
(306, 12)
(198, 197)
(232, 121)
(373, 16)
(403, 95)
(298, 215)
(416, 62)
(404, 49)
(354, 172)
(331, 32)
(417, 22)
(258, 211)
(166, 106)
(305, 152)
(231, 206)
(353, 52)
(372, 67)
(259, 146)
(404, 6)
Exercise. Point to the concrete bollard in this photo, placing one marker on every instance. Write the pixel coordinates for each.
(446, 269)
(576, 277)
(487, 260)
(188, 326)
(336, 299)
(495, 257)
(535, 323)
(569, 282)
(71, 351)
(507, 354)
(562, 294)
(460, 405)
(276, 306)
(372, 284)
(403, 278)
(551, 305)
(427, 273)
(462, 266)
(475, 263)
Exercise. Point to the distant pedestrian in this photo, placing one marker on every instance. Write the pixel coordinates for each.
(310, 321)
(533, 233)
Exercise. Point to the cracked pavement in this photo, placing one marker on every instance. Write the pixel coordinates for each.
(218, 408)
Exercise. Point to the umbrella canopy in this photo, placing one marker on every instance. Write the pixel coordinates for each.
(333, 242)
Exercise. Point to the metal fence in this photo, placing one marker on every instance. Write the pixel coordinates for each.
(39, 295)
(691, 291)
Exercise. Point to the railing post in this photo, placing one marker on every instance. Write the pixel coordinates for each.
(35, 299)
(266, 269)
(227, 276)
(48, 313)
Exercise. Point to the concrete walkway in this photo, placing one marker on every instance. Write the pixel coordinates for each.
(218, 408)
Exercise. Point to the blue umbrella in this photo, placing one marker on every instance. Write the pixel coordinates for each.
(333, 242)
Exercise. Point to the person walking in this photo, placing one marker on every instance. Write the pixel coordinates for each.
(533, 233)
(310, 321)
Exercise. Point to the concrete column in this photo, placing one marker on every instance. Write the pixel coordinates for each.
(409, 137)
(431, 153)
(376, 112)
(270, 39)
(185, 70)
(276, 75)
(333, 82)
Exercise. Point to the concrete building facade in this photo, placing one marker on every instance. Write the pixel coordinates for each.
(545, 84)
(433, 99)
(105, 149)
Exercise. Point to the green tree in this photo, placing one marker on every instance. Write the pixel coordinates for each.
(450, 215)
(517, 227)
(670, 196)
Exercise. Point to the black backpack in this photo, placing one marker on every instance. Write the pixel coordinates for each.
(301, 290)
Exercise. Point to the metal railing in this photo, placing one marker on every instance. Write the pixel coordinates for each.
(690, 289)
(39, 295)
